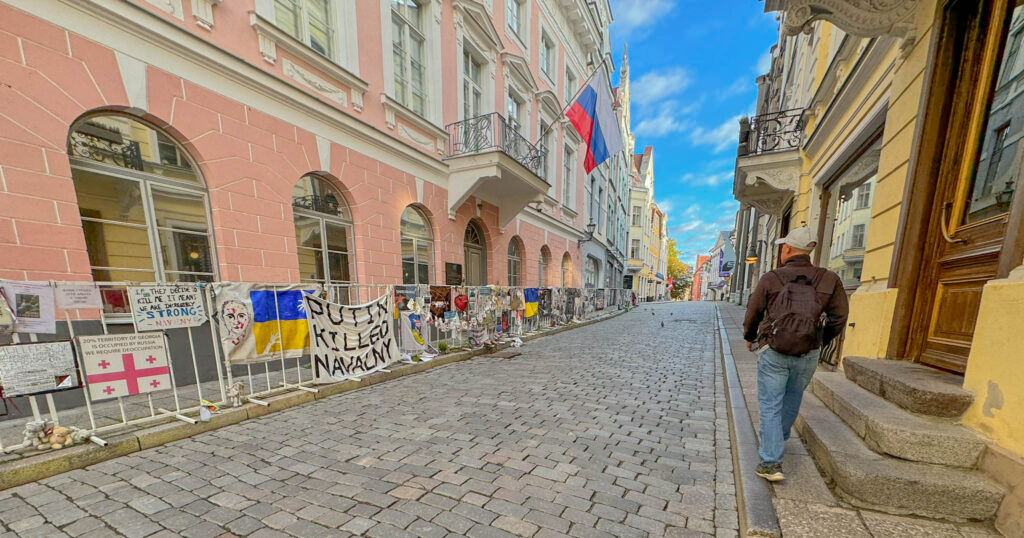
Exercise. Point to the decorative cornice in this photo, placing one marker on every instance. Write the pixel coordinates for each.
(271, 37)
(862, 18)
(393, 109)
(202, 10)
(520, 69)
(479, 21)
(549, 102)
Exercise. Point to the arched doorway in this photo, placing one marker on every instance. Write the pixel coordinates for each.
(542, 266)
(515, 262)
(476, 255)
(417, 247)
(323, 232)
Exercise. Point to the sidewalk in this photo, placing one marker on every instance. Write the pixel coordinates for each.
(804, 502)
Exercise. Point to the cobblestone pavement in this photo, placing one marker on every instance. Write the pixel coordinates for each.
(614, 429)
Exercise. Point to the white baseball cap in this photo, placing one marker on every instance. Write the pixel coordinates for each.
(799, 238)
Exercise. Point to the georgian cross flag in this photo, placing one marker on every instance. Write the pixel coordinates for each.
(124, 364)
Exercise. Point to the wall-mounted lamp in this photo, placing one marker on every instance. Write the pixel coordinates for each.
(752, 255)
(590, 232)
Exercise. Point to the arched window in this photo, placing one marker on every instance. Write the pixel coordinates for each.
(591, 272)
(476, 255)
(566, 270)
(323, 232)
(542, 266)
(417, 247)
(515, 263)
(144, 206)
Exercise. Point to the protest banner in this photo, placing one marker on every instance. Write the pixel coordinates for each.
(257, 320)
(350, 341)
(37, 368)
(170, 306)
(77, 295)
(124, 364)
(32, 303)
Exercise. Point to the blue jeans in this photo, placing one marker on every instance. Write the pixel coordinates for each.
(781, 380)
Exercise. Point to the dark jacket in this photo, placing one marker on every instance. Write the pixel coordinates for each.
(835, 304)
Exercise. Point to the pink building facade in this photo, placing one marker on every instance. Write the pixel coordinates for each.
(290, 140)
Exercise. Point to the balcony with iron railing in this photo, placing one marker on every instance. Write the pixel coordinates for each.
(492, 132)
(774, 131)
(768, 160)
(489, 159)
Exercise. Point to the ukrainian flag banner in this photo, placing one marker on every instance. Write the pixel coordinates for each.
(531, 298)
(260, 322)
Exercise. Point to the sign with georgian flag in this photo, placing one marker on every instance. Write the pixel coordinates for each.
(124, 364)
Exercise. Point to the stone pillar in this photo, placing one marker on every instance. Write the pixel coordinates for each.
(743, 239)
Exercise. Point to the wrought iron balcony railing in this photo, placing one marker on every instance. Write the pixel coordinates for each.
(492, 132)
(775, 131)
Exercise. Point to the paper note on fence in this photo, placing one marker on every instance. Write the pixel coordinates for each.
(257, 321)
(124, 364)
(350, 341)
(37, 368)
(33, 306)
(170, 306)
(75, 295)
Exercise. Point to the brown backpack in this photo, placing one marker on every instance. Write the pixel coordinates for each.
(792, 325)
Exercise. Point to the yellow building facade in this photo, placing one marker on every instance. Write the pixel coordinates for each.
(896, 132)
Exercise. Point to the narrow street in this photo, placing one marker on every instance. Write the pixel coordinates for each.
(615, 429)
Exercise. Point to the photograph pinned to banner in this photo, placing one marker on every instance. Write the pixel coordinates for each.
(6, 315)
(32, 303)
(348, 342)
(250, 328)
(124, 364)
(38, 368)
(77, 295)
(170, 306)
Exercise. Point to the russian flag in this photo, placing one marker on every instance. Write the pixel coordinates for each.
(594, 119)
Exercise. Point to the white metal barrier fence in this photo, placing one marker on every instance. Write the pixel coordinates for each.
(201, 377)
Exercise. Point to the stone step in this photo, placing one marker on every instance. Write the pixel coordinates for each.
(870, 480)
(914, 387)
(889, 429)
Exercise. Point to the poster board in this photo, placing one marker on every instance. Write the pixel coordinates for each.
(261, 322)
(33, 306)
(38, 368)
(171, 306)
(124, 364)
(350, 341)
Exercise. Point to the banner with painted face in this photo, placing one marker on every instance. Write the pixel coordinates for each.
(259, 322)
(349, 342)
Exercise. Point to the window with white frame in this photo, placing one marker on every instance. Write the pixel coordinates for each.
(857, 239)
(308, 21)
(143, 205)
(408, 47)
(323, 232)
(545, 144)
(514, 15)
(570, 85)
(637, 212)
(568, 177)
(634, 249)
(864, 196)
(515, 106)
(472, 88)
(515, 263)
(547, 55)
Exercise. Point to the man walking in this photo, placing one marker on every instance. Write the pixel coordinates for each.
(794, 311)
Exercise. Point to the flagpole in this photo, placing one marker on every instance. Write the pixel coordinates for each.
(574, 97)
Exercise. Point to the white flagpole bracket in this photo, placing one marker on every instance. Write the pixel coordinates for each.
(97, 440)
(178, 416)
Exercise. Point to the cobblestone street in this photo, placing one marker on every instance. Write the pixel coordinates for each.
(614, 429)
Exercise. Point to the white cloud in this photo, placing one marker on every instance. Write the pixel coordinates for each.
(707, 180)
(739, 86)
(654, 86)
(663, 123)
(719, 138)
(665, 206)
(632, 15)
(728, 205)
(764, 63)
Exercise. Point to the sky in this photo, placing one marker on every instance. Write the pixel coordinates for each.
(693, 66)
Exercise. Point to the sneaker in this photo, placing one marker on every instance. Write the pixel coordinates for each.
(771, 472)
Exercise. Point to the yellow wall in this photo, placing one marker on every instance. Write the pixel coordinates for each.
(995, 369)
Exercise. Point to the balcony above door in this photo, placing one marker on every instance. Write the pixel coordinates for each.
(768, 160)
(489, 159)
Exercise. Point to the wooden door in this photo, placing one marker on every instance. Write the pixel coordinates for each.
(968, 227)
(475, 266)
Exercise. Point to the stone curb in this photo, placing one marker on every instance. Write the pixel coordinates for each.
(34, 468)
(754, 499)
